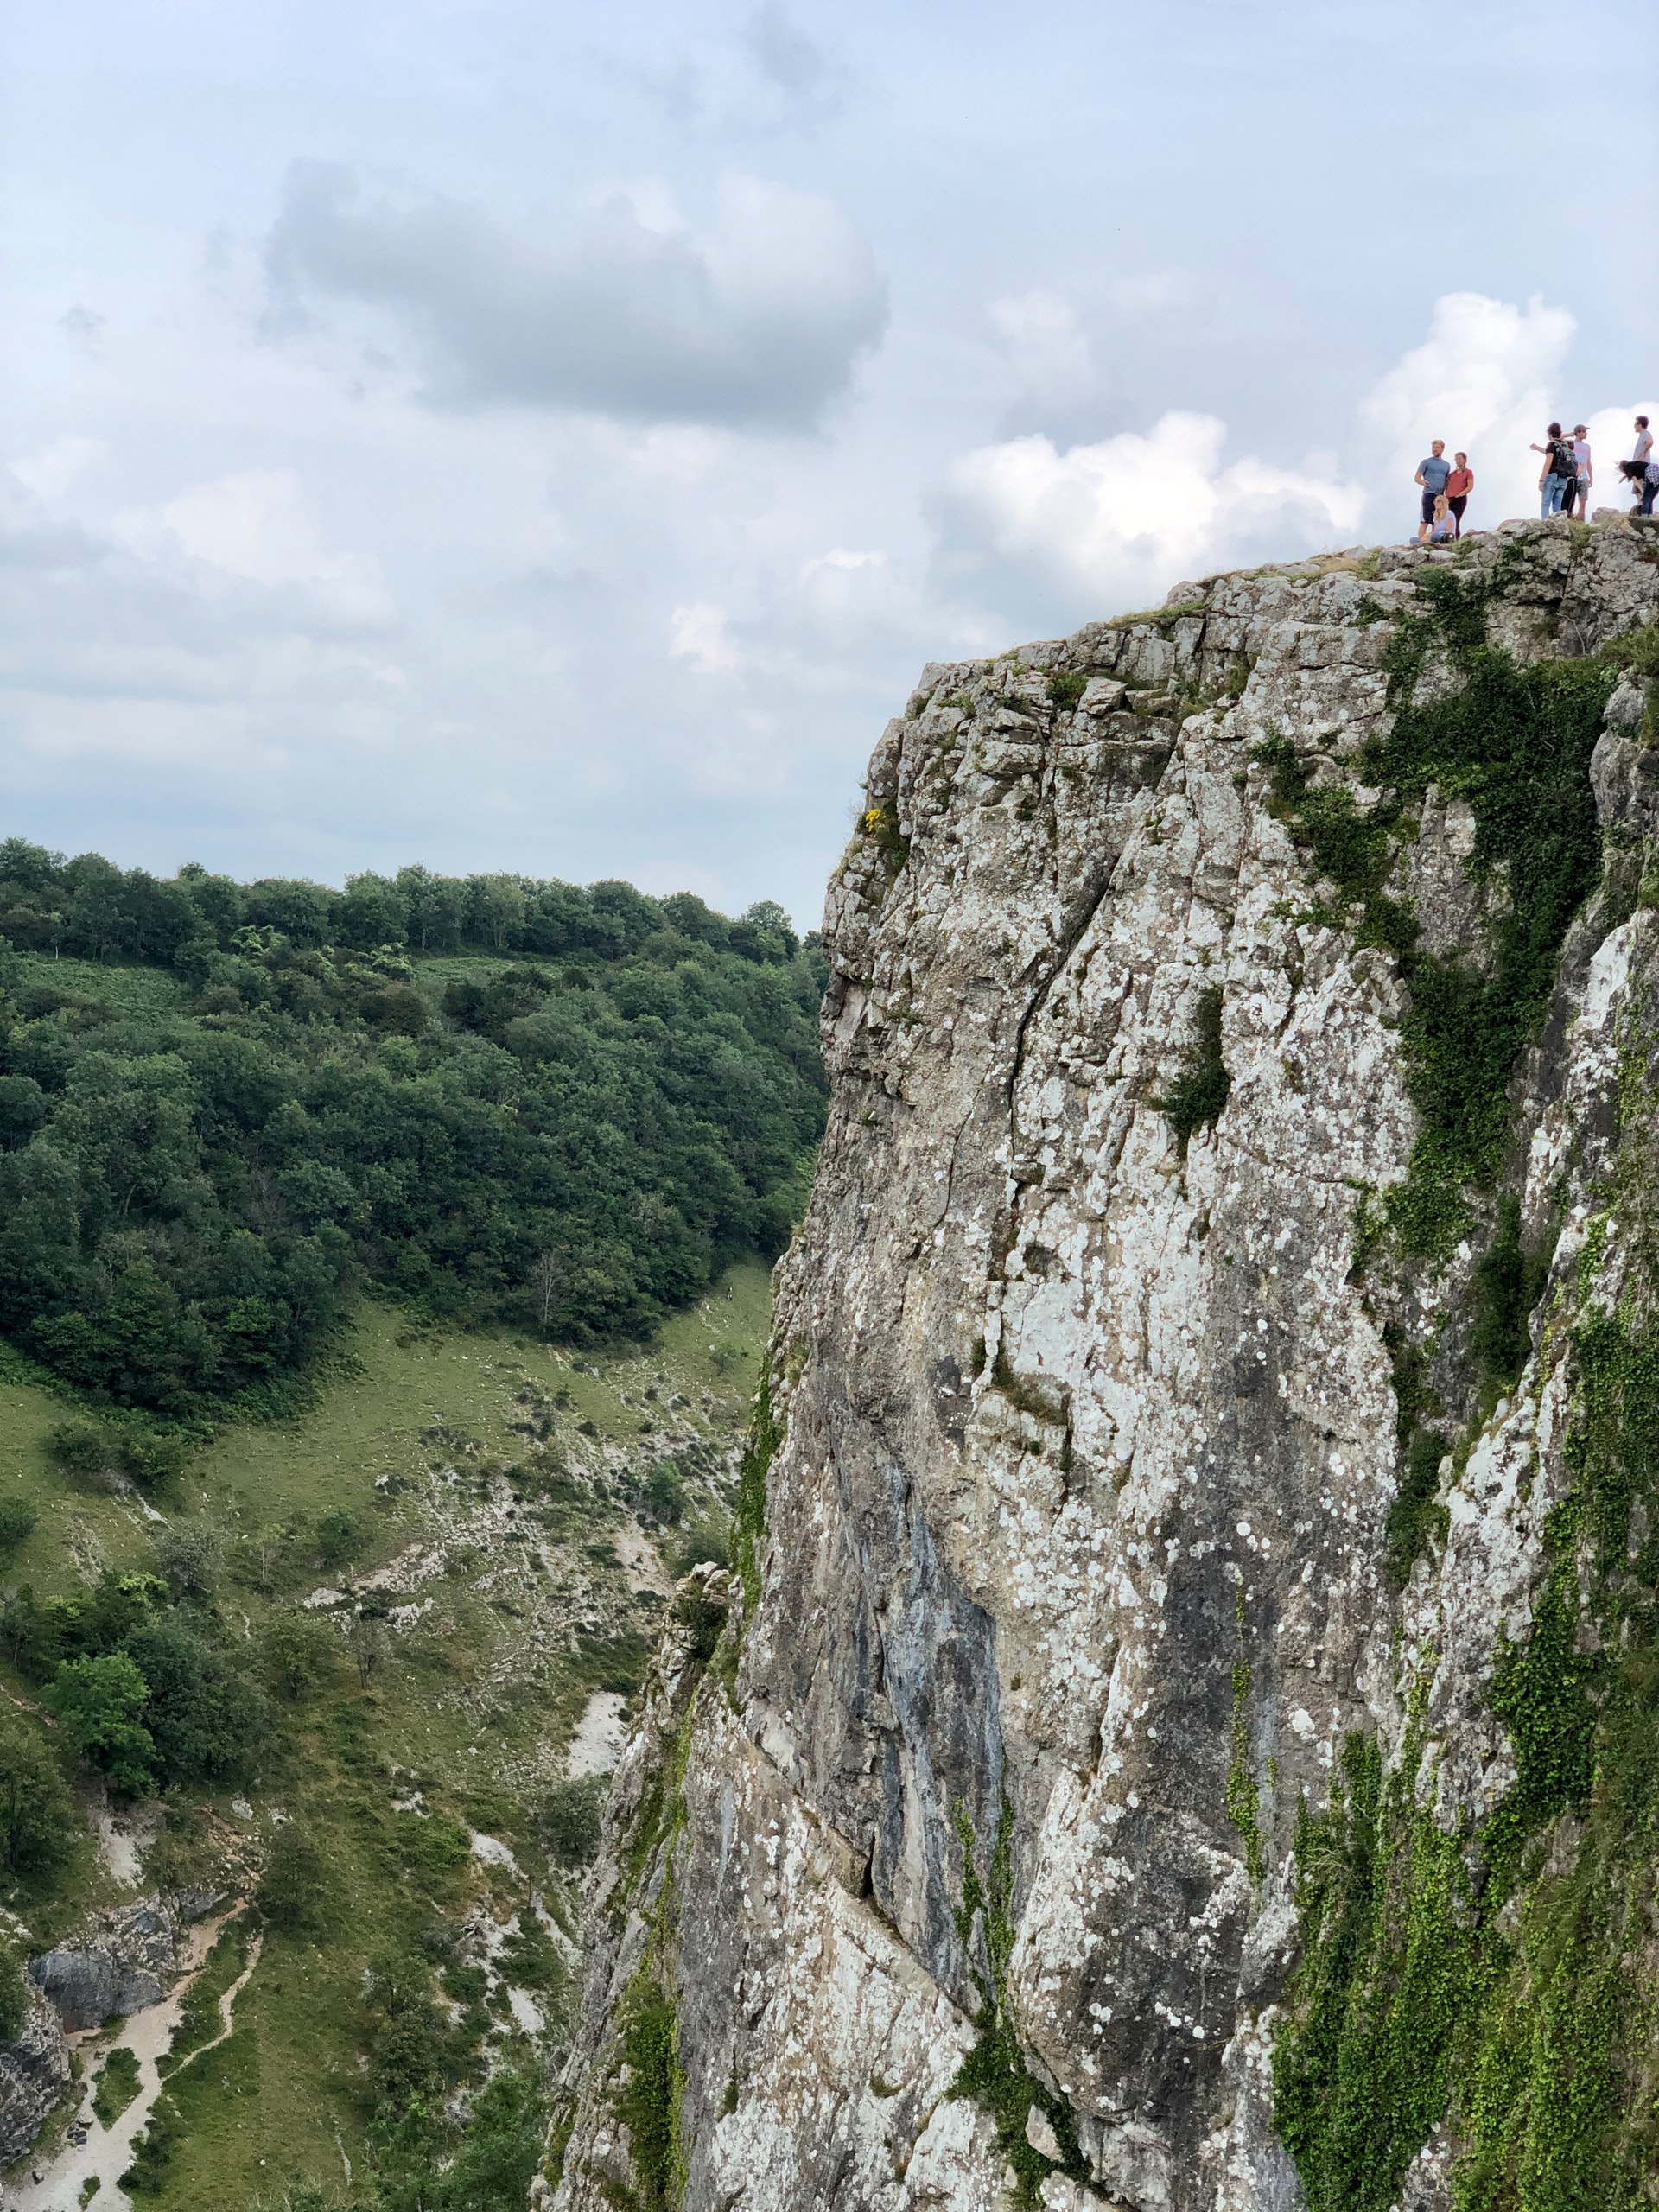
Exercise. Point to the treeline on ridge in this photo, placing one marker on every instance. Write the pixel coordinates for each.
(226, 1107)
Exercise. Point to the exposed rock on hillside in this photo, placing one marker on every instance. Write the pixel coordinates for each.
(118, 1968)
(33, 2073)
(1181, 1735)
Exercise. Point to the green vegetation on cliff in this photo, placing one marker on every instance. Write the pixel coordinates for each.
(1480, 1976)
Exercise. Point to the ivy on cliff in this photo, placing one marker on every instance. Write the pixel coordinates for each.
(996, 2074)
(1514, 743)
(1202, 1085)
(1482, 1977)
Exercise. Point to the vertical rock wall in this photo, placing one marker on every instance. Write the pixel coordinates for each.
(1140, 1459)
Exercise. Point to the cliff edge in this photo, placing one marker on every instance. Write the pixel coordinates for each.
(1181, 1726)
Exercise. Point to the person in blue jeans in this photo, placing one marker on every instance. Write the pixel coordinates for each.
(1432, 475)
(1558, 482)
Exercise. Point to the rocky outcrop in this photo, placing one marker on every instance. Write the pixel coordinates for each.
(33, 2073)
(1201, 1489)
(119, 1968)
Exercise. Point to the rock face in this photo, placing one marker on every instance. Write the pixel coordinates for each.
(33, 2073)
(1177, 1613)
(118, 1969)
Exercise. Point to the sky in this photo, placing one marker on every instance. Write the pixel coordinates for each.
(553, 438)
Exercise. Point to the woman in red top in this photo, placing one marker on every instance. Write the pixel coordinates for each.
(1458, 485)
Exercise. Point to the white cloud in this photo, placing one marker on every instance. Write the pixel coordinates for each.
(253, 526)
(1047, 352)
(629, 312)
(697, 633)
(1487, 379)
(1130, 515)
(842, 558)
(49, 472)
(1149, 292)
(193, 631)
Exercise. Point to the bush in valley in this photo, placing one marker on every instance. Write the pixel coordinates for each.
(293, 1888)
(499, 2155)
(339, 1538)
(488, 2169)
(108, 1455)
(415, 2055)
(568, 1821)
(148, 1693)
(17, 1519)
(701, 1547)
(40, 1826)
(99, 1701)
(118, 2084)
(184, 1866)
(297, 1653)
(188, 1562)
(203, 1158)
(14, 1996)
(661, 1494)
(530, 1959)
(431, 1848)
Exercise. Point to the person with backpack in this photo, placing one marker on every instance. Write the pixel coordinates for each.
(1432, 475)
(1560, 469)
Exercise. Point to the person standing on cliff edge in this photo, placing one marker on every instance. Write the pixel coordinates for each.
(1641, 461)
(1458, 485)
(1560, 469)
(1584, 471)
(1432, 475)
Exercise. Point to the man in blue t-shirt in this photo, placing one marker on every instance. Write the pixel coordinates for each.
(1432, 475)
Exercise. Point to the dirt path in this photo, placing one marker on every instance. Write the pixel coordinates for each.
(107, 2152)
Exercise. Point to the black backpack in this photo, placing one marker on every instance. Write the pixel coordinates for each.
(1566, 460)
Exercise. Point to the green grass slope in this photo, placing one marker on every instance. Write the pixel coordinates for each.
(435, 1571)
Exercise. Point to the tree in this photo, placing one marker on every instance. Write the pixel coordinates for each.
(368, 1642)
(495, 908)
(14, 1996)
(39, 1824)
(297, 1653)
(552, 1274)
(17, 1519)
(292, 1889)
(570, 1817)
(99, 1701)
(373, 912)
(188, 1559)
(260, 1558)
(208, 1720)
(435, 904)
(339, 1538)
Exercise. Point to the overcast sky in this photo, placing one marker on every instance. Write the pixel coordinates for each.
(552, 438)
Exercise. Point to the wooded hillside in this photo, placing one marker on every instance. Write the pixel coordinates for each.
(226, 1107)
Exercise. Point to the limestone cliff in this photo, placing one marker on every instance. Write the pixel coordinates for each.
(1182, 1728)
